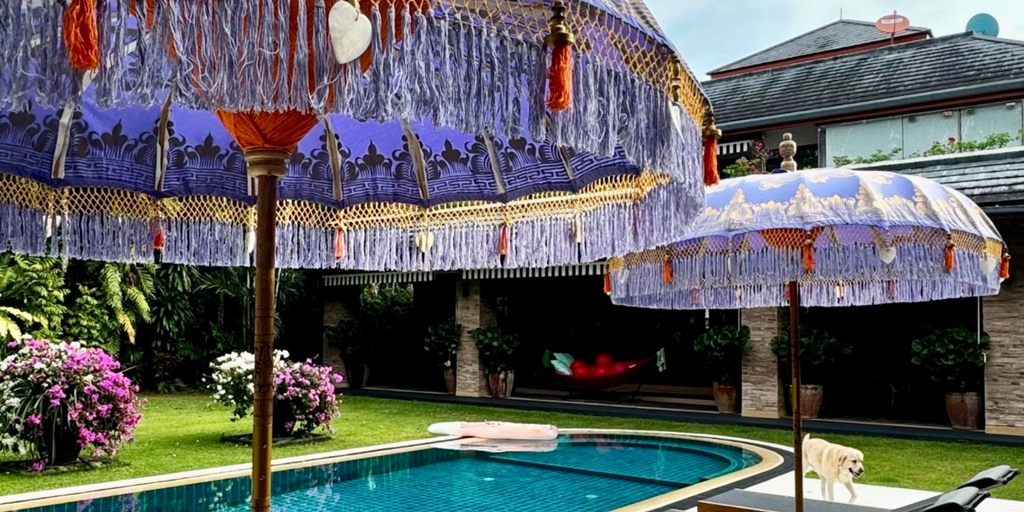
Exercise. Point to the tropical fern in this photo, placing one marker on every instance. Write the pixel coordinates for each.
(126, 292)
(9, 328)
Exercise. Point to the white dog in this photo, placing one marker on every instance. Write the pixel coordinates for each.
(833, 463)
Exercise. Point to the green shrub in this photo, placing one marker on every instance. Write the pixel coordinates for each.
(722, 348)
(954, 357)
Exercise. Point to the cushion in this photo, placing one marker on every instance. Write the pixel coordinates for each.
(564, 358)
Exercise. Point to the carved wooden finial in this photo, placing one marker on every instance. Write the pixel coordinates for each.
(787, 149)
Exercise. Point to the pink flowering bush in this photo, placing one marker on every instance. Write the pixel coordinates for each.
(304, 394)
(59, 398)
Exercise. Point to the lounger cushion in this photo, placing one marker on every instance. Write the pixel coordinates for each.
(964, 499)
(992, 478)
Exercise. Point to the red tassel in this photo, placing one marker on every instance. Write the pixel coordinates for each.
(339, 244)
(694, 296)
(81, 34)
(710, 160)
(892, 289)
(1004, 267)
(607, 283)
(133, 10)
(503, 243)
(666, 271)
(950, 257)
(560, 78)
(808, 254)
(158, 238)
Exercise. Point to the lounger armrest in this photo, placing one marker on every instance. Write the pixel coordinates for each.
(992, 478)
(965, 499)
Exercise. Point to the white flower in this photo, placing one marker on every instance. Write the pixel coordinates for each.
(39, 366)
(13, 402)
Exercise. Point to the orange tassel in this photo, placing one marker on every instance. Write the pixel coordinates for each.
(560, 72)
(694, 296)
(503, 243)
(711, 135)
(607, 283)
(560, 78)
(666, 271)
(81, 34)
(150, 12)
(1004, 267)
(950, 257)
(339, 244)
(808, 253)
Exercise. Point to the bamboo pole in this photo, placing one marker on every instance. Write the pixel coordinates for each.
(266, 166)
(794, 356)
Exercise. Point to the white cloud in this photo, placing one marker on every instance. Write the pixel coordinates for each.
(710, 34)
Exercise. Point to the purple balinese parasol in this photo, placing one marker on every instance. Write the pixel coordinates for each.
(820, 237)
(371, 134)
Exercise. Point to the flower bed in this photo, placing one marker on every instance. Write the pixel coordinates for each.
(304, 395)
(59, 398)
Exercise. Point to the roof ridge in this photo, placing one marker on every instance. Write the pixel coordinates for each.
(727, 66)
(875, 51)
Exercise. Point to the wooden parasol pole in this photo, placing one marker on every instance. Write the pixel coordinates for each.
(266, 166)
(794, 356)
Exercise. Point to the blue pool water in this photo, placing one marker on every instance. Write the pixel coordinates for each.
(585, 473)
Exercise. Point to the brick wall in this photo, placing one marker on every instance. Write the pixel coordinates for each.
(761, 390)
(475, 308)
(1004, 323)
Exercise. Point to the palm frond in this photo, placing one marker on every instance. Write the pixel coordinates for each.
(110, 283)
(139, 301)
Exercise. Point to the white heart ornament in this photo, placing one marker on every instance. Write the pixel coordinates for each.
(887, 254)
(351, 32)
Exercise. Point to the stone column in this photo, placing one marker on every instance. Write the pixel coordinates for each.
(474, 308)
(334, 312)
(761, 391)
(1004, 323)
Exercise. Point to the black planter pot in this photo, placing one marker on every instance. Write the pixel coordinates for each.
(59, 443)
(283, 414)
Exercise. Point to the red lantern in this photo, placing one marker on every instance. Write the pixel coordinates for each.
(604, 361)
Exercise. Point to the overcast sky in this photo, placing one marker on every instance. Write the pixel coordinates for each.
(712, 33)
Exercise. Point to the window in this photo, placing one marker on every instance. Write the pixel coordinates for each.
(980, 122)
(921, 131)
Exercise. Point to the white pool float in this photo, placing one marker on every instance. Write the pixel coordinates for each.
(495, 430)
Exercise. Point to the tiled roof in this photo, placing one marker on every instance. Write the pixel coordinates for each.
(994, 177)
(834, 36)
(854, 81)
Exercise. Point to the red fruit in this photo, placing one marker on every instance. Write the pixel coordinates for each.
(604, 361)
(601, 371)
(619, 367)
(581, 371)
(577, 364)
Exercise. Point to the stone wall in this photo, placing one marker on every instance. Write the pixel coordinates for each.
(761, 391)
(475, 308)
(1004, 323)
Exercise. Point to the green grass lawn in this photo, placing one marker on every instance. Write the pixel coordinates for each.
(183, 432)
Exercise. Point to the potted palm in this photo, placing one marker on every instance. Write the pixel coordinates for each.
(496, 348)
(722, 348)
(819, 351)
(955, 358)
(443, 341)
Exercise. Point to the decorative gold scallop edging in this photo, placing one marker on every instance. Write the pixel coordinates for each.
(769, 461)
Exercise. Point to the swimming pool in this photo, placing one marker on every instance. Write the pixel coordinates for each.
(585, 471)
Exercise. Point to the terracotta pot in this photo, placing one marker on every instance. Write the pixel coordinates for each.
(59, 443)
(964, 410)
(357, 376)
(501, 384)
(811, 396)
(366, 376)
(449, 381)
(725, 397)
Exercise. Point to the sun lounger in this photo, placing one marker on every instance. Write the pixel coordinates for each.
(963, 499)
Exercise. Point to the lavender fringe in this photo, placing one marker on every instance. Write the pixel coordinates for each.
(443, 69)
(613, 229)
(758, 278)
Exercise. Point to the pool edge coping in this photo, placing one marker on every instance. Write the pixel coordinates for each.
(50, 497)
(769, 461)
(15, 502)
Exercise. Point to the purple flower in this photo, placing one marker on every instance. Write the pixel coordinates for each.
(34, 420)
(38, 466)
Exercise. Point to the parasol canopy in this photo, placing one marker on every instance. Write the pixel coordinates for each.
(848, 238)
(439, 147)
